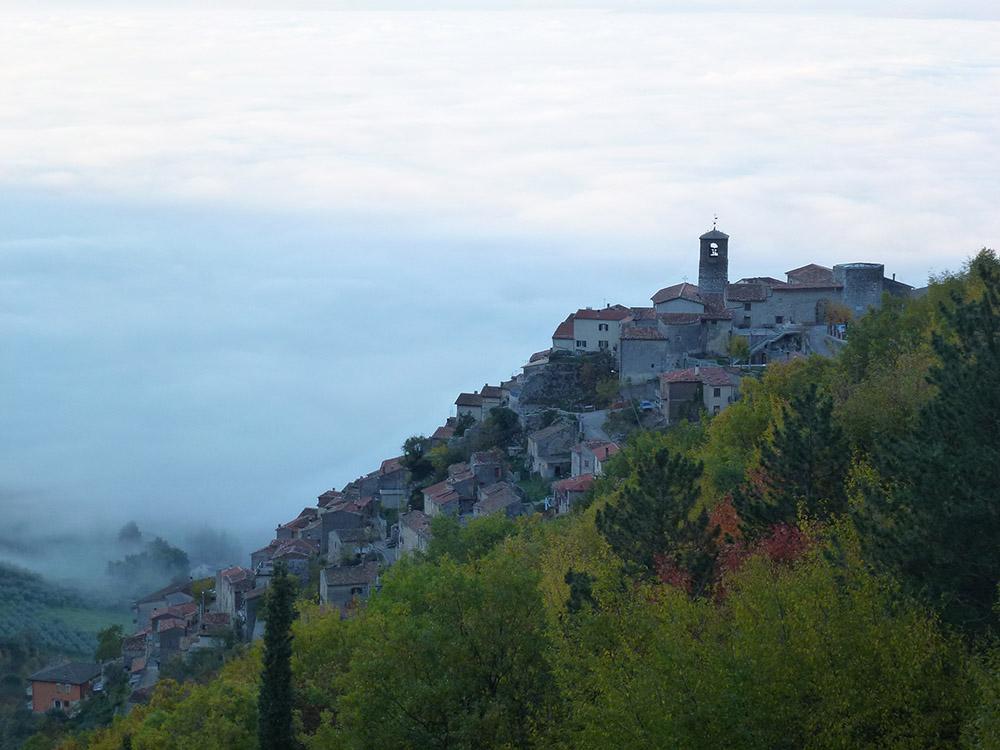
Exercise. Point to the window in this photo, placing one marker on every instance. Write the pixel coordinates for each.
(717, 392)
(602, 326)
(713, 250)
(746, 305)
(581, 344)
(779, 318)
(602, 344)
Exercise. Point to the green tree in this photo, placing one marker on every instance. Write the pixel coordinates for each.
(449, 656)
(109, 643)
(275, 699)
(500, 429)
(463, 423)
(650, 520)
(739, 349)
(802, 466)
(470, 542)
(415, 458)
(940, 519)
(818, 655)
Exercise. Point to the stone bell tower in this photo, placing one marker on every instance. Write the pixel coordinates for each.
(713, 268)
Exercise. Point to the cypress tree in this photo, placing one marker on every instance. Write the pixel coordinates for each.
(804, 463)
(274, 703)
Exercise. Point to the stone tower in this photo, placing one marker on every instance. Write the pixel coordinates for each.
(713, 268)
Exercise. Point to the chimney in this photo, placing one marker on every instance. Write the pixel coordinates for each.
(894, 276)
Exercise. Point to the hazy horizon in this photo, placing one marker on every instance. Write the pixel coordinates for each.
(244, 255)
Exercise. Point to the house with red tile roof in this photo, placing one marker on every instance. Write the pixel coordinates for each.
(549, 449)
(63, 686)
(567, 492)
(393, 483)
(500, 497)
(414, 532)
(591, 330)
(442, 435)
(679, 298)
(442, 499)
(684, 394)
(585, 457)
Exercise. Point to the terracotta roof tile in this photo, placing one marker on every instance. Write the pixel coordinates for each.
(714, 376)
(679, 318)
(683, 290)
(443, 433)
(391, 466)
(563, 331)
(581, 483)
(614, 312)
(469, 399)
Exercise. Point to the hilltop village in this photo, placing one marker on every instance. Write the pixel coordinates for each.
(533, 443)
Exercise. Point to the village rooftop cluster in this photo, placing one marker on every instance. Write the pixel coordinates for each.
(672, 360)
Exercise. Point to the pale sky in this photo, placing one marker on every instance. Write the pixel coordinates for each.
(244, 254)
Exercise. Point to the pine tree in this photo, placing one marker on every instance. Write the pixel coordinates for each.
(939, 522)
(650, 525)
(274, 704)
(803, 464)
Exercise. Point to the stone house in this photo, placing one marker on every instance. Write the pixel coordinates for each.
(169, 637)
(442, 435)
(264, 554)
(296, 554)
(253, 626)
(586, 456)
(344, 585)
(63, 686)
(679, 298)
(549, 450)
(335, 520)
(602, 457)
(349, 543)
(393, 483)
(492, 398)
(135, 647)
(303, 525)
(567, 492)
(175, 593)
(441, 498)
(685, 393)
(463, 481)
(470, 404)
(230, 585)
(328, 498)
(414, 532)
(488, 466)
(500, 497)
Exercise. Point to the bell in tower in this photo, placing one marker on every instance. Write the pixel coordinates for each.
(713, 268)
